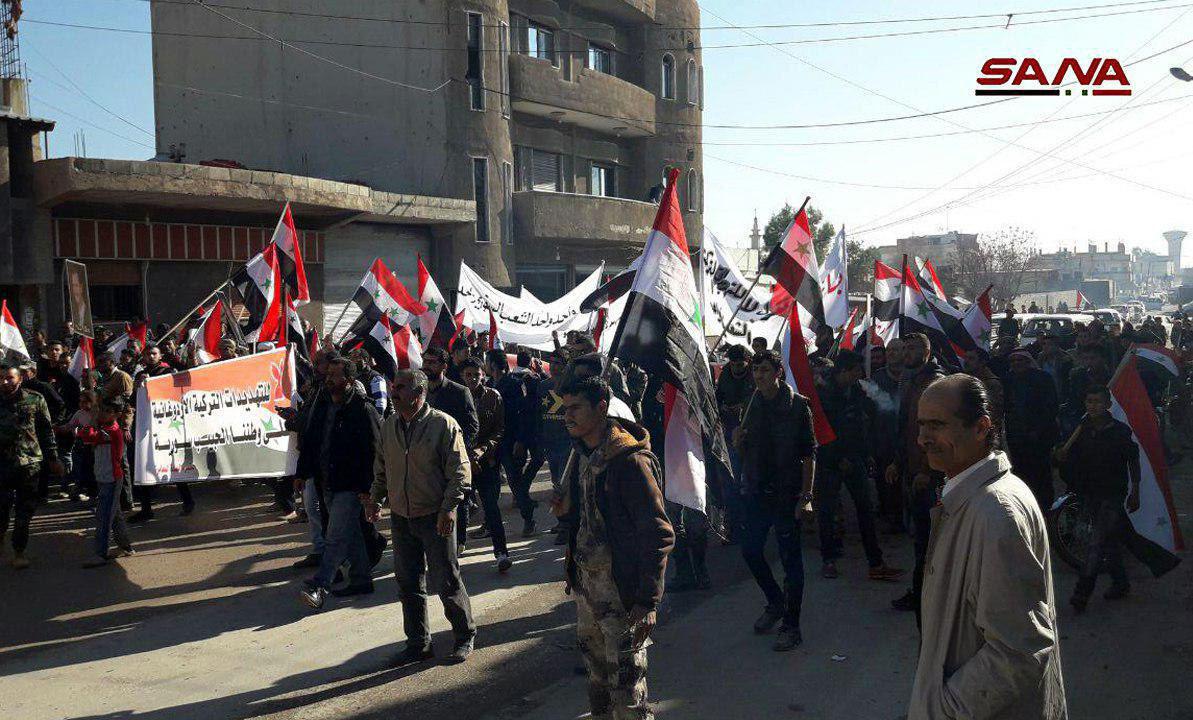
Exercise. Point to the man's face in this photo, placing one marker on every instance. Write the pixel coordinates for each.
(54, 351)
(434, 368)
(406, 398)
(106, 364)
(895, 353)
(581, 418)
(335, 382)
(154, 356)
(765, 374)
(949, 446)
(10, 381)
(472, 377)
(915, 355)
(496, 370)
(974, 361)
(460, 353)
(581, 371)
(877, 357)
(737, 367)
(758, 345)
(1097, 405)
(1019, 364)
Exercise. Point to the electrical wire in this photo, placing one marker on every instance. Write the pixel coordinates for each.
(88, 123)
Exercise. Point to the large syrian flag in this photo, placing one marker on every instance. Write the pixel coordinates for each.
(1155, 522)
(205, 339)
(135, 337)
(887, 286)
(796, 271)
(798, 369)
(436, 324)
(380, 293)
(260, 286)
(978, 321)
(294, 274)
(661, 332)
(83, 360)
(921, 315)
(834, 282)
(10, 334)
(1164, 358)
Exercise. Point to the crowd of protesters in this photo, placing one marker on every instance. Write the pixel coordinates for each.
(434, 447)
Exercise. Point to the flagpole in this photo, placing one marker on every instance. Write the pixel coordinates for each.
(231, 319)
(869, 332)
(770, 256)
(186, 317)
(902, 291)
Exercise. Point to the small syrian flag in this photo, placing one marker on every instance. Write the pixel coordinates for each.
(1083, 302)
(1169, 360)
(10, 335)
(796, 271)
(662, 333)
(435, 326)
(83, 360)
(380, 293)
(135, 337)
(887, 286)
(205, 339)
(1156, 519)
(392, 349)
(834, 282)
(286, 240)
(928, 279)
(798, 369)
(294, 331)
(494, 341)
(978, 321)
(920, 315)
(259, 283)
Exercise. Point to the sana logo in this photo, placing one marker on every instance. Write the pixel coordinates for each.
(1012, 76)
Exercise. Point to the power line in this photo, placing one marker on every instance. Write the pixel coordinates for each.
(87, 96)
(727, 46)
(87, 122)
(775, 26)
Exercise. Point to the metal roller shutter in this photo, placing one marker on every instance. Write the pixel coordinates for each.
(348, 253)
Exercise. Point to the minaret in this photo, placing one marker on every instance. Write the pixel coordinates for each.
(756, 235)
(1174, 238)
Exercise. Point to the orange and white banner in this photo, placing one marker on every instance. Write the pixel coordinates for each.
(217, 421)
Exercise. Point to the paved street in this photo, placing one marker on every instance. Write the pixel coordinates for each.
(205, 623)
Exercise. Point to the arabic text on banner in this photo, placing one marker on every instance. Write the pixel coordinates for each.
(724, 289)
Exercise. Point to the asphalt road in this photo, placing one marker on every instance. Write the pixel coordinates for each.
(205, 623)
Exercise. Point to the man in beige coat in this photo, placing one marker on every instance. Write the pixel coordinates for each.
(422, 467)
(989, 649)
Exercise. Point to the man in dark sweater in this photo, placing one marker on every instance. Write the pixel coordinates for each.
(519, 409)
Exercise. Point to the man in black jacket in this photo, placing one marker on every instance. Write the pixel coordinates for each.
(778, 450)
(519, 413)
(338, 446)
(1031, 424)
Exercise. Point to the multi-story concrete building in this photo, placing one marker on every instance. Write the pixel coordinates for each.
(1107, 264)
(942, 249)
(557, 118)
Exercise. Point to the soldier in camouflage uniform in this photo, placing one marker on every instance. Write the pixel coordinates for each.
(617, 557)
(26, 442)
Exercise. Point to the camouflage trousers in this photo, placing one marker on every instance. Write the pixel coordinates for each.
(18, 491)
(616, 670)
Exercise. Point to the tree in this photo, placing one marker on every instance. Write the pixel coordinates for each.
(861, 259)
(1000, 259)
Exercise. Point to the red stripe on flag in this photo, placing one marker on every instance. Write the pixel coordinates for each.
(805, 384)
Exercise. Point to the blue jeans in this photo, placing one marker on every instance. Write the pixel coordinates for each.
(109, 520)
(344, 541)
(310, 501)
(761, 516)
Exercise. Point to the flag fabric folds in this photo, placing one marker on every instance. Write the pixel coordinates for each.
(1166, 359)
(929, 280)
(834, 283)
(661, 332)
(798, 368)
(436, 325)
(922, 316)
(978, 321)
(887, 286)
(259, 283)
(392, 349)
(83, 359)
(135, 337)
(10, 334)
(796, 271)
(380, 293)
(285, 239)
(205, 340)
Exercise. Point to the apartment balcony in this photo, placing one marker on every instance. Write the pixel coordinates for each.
(636, 11)
(593, 100)
(551, 226)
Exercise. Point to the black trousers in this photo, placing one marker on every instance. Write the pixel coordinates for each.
(18, 492)
(425, 561)
(488, 484)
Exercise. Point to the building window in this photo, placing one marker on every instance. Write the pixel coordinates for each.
(111, 303)
(507, 202)
(692, 192)
(503, 38)
(475, 74)
(693, 83)
(538, 170)
(540, 43)
(668, 80)
(602, 180)
(600, 59)
(480, 193)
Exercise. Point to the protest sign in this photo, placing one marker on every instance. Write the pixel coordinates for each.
(724, 289)
(525, 321)
(75, 280)
(217, 421)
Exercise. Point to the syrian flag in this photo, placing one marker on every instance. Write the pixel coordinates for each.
(920, 315)
(392, 349)
(205, 339)
(661, 332)
(793, 265)
(978, 321)
(435, 325)
(799, 372)
(494, 342)
(380, 293)
(260, 285)
(83, 360)
(1168, 360)
(1083, 302)
(286, 240)
(851, 335)
(10, 334)
(135, 336)
(887, 286)
(313, 343)
(1155, 522)
(834, 281)
(614, 288)
(294, 332)
(929, 280)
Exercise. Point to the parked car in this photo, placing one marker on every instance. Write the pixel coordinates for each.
(1110, 318)
(1062, 327)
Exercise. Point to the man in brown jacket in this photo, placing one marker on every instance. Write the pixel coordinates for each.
(423, 468)
(990, 645)
(486, 472)
(617, 556)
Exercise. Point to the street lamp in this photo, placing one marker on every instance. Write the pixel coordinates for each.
(1180, 74)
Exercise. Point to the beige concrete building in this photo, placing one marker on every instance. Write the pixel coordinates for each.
(557, 119)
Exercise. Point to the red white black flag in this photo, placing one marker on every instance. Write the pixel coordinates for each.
(10, 335)
(286, 240)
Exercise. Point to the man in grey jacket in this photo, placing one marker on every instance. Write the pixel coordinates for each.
(422, 466)
(990, 646)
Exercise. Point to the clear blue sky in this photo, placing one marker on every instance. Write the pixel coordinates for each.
(764, 85)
